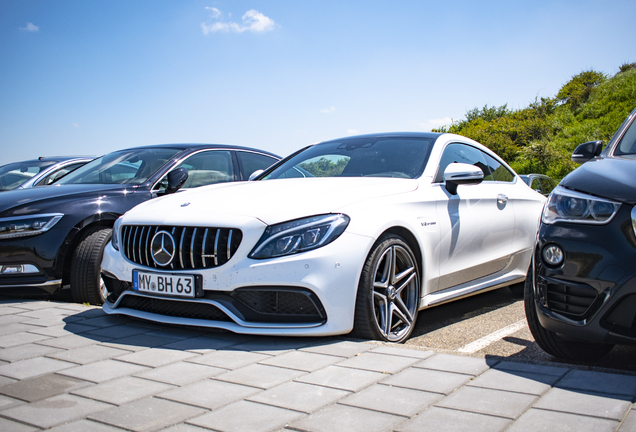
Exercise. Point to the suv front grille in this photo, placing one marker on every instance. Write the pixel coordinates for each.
(194, 247)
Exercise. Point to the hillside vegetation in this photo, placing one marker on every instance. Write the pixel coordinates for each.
(541, 137)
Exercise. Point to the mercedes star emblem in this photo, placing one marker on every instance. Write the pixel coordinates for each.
(163, 248)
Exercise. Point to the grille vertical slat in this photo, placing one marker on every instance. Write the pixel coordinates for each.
(194, 236)
(205, 238)
(192, 245)
(216, 248)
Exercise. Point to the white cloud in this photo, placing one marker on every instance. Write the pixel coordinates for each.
(435, 123)
(76, 124)
(328, 110)
(353, 132)
(215, 12)
(253, 21)
(30, 27)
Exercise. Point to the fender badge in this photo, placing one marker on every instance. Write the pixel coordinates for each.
(185, 204)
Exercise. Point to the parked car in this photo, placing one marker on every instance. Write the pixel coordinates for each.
(357, 233)
(38, 172)
(580, 295)
(54, 236)
(539, 182)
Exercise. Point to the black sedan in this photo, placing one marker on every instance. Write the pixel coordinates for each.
(580, 295)
(55, 236)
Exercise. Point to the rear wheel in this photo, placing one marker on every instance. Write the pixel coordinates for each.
(388, 292)
(87, 285)
(551, 342)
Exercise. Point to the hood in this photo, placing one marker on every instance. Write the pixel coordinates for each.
(53, 198)
(271, 201)
(610, 177)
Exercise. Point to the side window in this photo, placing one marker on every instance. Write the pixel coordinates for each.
(498, 171)
(204, 168)
(460, 153)
(548, 185)
(251, 162)
(58, 174)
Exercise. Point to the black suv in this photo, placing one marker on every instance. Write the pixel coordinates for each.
(580, 294)
(54, 236)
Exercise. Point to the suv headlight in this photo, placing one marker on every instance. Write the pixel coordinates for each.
(569, 206)
(299, 235)
(115, 238)
(22, 226)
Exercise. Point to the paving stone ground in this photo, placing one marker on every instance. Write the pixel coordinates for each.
(67, 368)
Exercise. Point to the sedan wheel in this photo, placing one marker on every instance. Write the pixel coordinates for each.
(388, 293)
(87, 285)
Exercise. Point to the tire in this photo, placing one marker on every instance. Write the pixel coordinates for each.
(551, 342)
(86, 282)
(388, 295)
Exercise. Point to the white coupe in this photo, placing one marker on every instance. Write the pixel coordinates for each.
(355, 234)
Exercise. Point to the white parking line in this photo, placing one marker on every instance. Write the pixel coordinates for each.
(481, 343)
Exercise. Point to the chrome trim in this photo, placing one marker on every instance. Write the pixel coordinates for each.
(216, 248)
(34, 285)
(229, 242)
(194, 233)
(205, 237)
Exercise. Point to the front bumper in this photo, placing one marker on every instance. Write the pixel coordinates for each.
(592, 295)
(239, 296)
(38, 257)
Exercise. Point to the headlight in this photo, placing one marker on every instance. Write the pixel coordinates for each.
(115, 238)
(22, 226)
(299, 235)
(570, 206)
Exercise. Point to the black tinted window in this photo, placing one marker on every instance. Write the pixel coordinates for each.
(251, 162)
(460, 153)
(498, 171)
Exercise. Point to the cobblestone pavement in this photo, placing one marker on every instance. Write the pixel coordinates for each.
(68, 367)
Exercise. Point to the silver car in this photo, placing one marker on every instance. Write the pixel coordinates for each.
(38, 172)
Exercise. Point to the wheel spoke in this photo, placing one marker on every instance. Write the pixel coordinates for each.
(383, 308)
(403, 310)
(404, 318)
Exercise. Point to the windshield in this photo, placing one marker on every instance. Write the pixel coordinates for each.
(14, 174)
(133, 166)
(627, 146)
(358, 157)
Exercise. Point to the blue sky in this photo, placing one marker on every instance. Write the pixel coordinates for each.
(89, 77)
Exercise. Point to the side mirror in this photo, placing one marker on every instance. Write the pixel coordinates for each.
(255, 174)
(176, 179)
(457, 174)
(587, 151)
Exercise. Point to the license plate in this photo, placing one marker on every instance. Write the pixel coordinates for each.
(164, 284)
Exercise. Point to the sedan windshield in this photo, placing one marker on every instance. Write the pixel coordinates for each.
(14, 174)
(133, 166)
(400, 157)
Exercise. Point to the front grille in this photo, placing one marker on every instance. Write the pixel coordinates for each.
(194, 247)
(568, 299)
(277, 302)
(174, 308)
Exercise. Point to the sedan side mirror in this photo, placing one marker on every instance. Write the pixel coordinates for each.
(457, 174)
(176, 179)
(587, 151)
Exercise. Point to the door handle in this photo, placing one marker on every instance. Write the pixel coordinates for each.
(502, 199)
